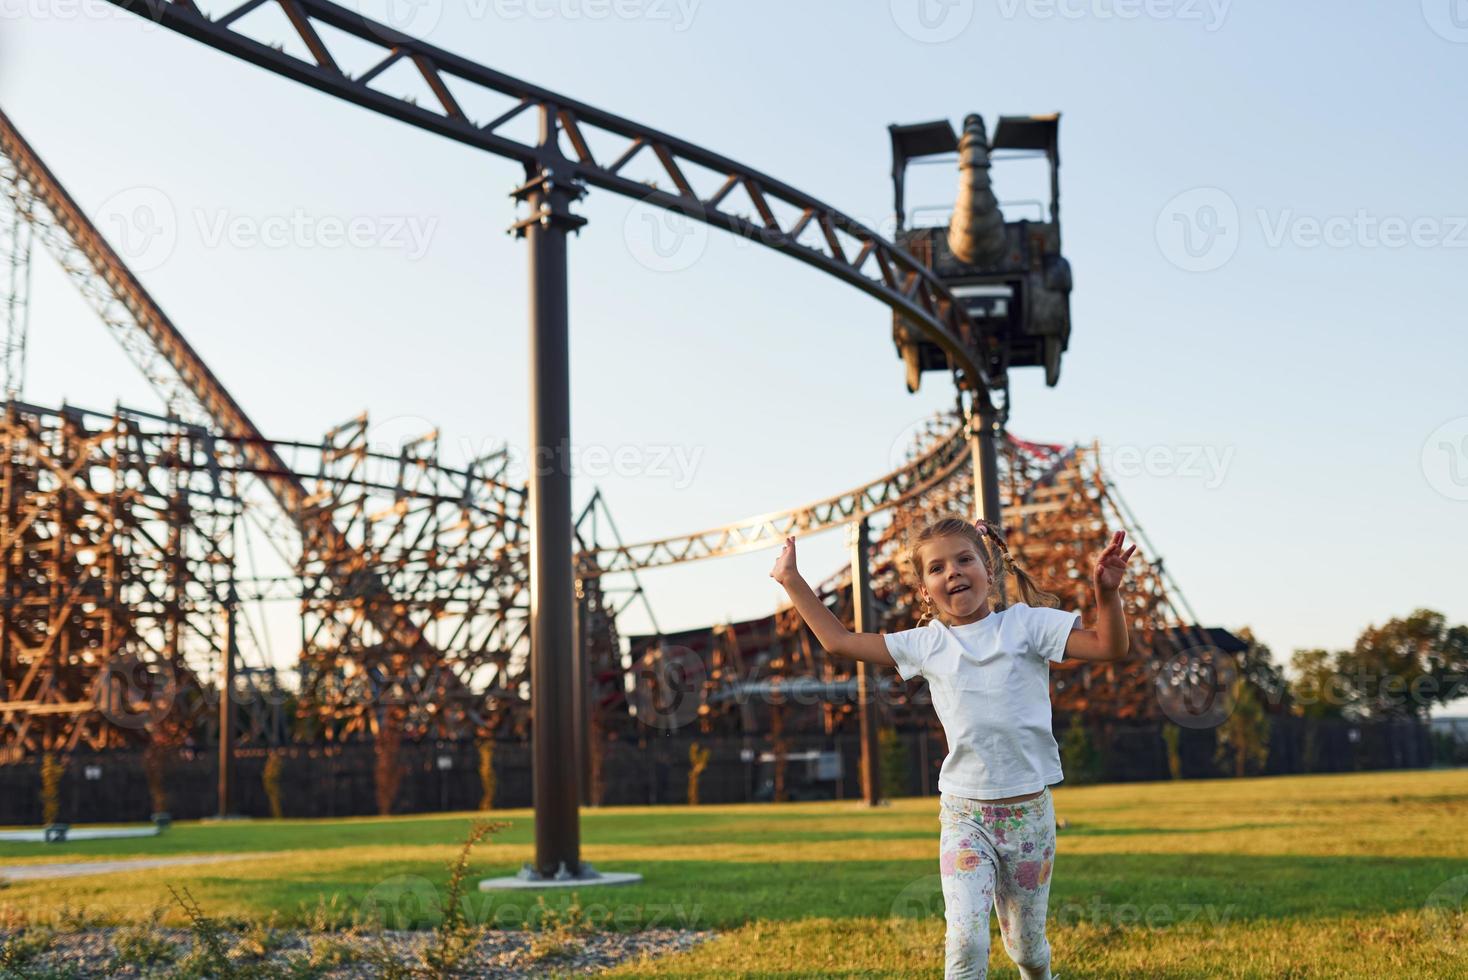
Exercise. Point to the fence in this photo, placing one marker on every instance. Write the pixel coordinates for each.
(339, 780)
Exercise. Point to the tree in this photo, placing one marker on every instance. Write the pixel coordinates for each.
(1257, 667)
(1243, 738)
(1403, 668)
(1315, 692)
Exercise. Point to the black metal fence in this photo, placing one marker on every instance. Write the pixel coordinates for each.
(339, 780)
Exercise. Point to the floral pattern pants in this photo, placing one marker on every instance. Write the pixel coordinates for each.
(996, 855)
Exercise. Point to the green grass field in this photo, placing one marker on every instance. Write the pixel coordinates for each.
(1360, 875)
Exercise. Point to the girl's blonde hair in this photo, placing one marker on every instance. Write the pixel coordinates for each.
(992, 549)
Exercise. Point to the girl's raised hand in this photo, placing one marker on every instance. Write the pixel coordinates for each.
(1111, 564)
(785, 563)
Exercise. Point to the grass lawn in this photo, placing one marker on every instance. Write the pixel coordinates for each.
(1301, 876)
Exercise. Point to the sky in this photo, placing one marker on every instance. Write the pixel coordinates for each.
(1262, 204)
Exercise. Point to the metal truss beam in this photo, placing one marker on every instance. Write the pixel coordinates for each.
(938, 464)
(809, 230)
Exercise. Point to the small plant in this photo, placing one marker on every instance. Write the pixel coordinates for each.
(331, 916)
(260, 939)
(333, 950)
(698, 761)
(270, 779)
(73, 918)
(560, 933)
(298, 966)
(389, 965)
(52, 768)
(210, 956)
(456, 937)
(18, 953)
(143, 944)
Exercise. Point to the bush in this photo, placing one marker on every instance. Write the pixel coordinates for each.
(52, 768)
(1078, 755)
(274, 763)
(698, 761)
(486, 774)
(1170, 735)
(896, 765)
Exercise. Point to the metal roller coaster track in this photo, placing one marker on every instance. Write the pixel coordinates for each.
(804, 227)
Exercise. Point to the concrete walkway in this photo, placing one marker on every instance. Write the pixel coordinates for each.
(75, 869)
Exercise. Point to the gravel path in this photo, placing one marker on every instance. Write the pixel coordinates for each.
(74, 869)
(93, 953)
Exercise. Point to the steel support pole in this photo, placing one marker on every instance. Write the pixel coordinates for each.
(555, 672)
(983, 425)
(866, 674)
(983, 449)
(549, 193)
(580, 702)
(226, 708)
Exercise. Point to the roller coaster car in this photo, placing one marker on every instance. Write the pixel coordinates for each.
(1019, 299)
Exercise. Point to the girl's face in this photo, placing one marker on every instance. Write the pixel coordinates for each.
(954, 578)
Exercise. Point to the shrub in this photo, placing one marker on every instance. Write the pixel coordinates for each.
(270, 778)
(1170, 735)
(143, 944)
(698, 761)
(486, 774)
(559, 933)
(1078, 755)
(895, 764)
(52, 768)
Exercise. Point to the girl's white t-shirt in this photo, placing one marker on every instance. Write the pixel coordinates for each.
(990, 683)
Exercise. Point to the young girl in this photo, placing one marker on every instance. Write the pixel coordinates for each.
(988, 671)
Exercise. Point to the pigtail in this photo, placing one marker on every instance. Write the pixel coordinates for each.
(927, 612)
(1029, 590)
